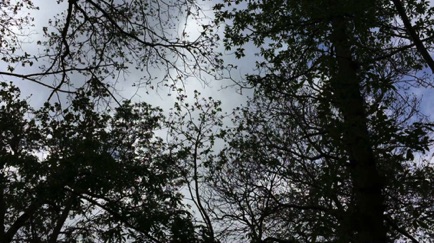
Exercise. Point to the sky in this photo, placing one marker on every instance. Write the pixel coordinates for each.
(230, 96)
(220, 89)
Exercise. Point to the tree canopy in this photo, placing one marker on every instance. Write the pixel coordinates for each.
(75, 173)
(333, 111)
(332, 146)
(95, 43)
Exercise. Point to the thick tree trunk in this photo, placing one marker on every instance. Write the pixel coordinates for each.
(368, 221)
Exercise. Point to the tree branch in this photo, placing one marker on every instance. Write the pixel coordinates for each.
(414, 36)
(61, 220)
(400, 230)
(22, 219)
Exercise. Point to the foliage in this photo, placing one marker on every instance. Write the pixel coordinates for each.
(324, 151)
(281, 176)
(76, 173)
(331, 147)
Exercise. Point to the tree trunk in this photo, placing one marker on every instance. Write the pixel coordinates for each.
(368, 219)
(2, 209)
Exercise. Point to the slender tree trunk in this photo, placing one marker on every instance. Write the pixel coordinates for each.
(61, 220)
(2, 209)
(368, 226)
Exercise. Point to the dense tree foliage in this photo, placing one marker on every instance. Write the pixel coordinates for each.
(331, 147)
(76, 173)
(333, 129)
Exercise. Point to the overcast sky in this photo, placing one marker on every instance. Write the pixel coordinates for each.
(230, 97)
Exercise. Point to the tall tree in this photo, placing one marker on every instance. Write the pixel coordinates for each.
(351, 62)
